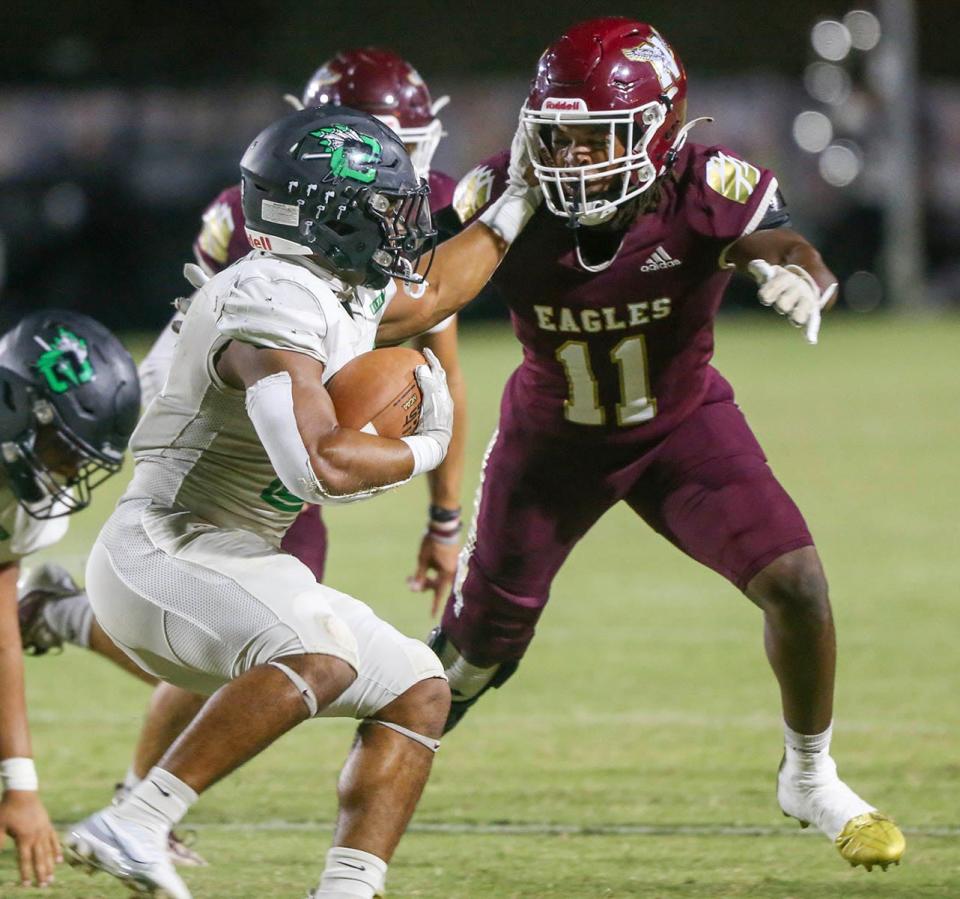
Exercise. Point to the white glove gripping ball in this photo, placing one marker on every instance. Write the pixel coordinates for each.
(432, 438)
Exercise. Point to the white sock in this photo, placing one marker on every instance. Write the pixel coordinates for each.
(351, 874)
(70, 619)
(467, 680)
(130, 779)
(808, 751)
(157, 803)
(814, 790)
(125, 787)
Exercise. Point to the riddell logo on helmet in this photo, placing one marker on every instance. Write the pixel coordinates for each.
(259, 241)
(564, 104)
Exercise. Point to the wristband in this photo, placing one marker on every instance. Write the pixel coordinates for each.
(507, 216)
(444, 533)
(427, 453)
(19, 774)
(442, 515)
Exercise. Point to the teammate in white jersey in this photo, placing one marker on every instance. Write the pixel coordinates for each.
(69, 399)
(187, 576)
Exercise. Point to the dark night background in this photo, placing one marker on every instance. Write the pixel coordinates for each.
(120, 121)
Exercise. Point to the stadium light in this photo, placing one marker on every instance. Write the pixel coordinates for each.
(863, 291)
(812, 131)
(827, 83)
(864, 28)
(831, 40)
(840, 163)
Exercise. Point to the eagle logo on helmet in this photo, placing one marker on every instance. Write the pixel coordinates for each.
(66, 362)
(348, 159)
(656, 51)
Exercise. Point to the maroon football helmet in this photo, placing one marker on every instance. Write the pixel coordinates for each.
(385, 85)
(615, 73)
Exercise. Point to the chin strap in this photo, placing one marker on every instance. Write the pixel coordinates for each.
(678, 144)
(438, 104)
(600, 266)
(293, 101)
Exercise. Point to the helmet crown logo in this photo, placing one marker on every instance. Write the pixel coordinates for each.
(64, 363)
(656, 51)
(347, 159)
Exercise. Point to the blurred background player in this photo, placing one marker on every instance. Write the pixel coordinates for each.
(384, 85)
(70, 400)
(616, 400)
(188, 575)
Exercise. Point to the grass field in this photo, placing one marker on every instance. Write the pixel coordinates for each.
(635, 752)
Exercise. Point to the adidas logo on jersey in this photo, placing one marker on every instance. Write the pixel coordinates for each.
(659, 261)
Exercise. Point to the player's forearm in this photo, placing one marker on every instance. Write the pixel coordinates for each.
(461, 267)
(346, 461)
(781, 246)
(464, 266)
(14, 732)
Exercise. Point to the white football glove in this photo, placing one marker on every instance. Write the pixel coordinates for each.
(792, 291)
(508, 214)
(432, 437)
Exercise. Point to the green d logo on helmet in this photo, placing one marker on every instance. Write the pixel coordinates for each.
(349, 162)
(65, 363)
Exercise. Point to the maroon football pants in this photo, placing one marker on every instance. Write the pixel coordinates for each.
(306, 539)
(706, 487)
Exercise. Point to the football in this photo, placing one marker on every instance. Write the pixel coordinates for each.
(378, 392)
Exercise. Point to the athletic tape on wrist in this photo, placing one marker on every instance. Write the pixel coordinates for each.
(427, 453)
(512, 210)
(19, 774)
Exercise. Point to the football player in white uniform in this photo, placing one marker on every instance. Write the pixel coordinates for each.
(187, 576)
(69, 399)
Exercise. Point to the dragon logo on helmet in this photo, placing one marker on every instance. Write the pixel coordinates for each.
(348, 161)
(64, 363)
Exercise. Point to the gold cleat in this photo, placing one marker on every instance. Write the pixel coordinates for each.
(871, 839)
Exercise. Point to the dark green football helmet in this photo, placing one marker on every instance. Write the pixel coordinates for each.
(69, 401)
(338, 185)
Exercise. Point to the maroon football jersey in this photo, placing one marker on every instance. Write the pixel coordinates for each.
(222, 240)
(623, 352)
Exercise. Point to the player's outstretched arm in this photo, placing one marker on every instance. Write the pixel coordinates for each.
(315, 458)
(463, 265)
(22, 814)
(790, 273)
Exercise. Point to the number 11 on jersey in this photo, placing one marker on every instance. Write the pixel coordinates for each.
(582, 405)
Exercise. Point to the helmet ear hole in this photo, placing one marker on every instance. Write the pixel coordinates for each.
(343, 229)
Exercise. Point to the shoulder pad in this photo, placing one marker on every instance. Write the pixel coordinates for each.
(277, 304)
(480, 187)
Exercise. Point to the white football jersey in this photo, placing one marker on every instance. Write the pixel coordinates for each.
(195, 447)
(20, 534)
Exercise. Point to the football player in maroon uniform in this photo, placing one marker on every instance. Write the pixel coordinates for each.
(630, 255)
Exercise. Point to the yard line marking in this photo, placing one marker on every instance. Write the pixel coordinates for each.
(521, 828)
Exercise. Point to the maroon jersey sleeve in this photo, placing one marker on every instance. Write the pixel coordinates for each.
(728, 195)
(442, 187)
(480, 187)
(222, 239)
